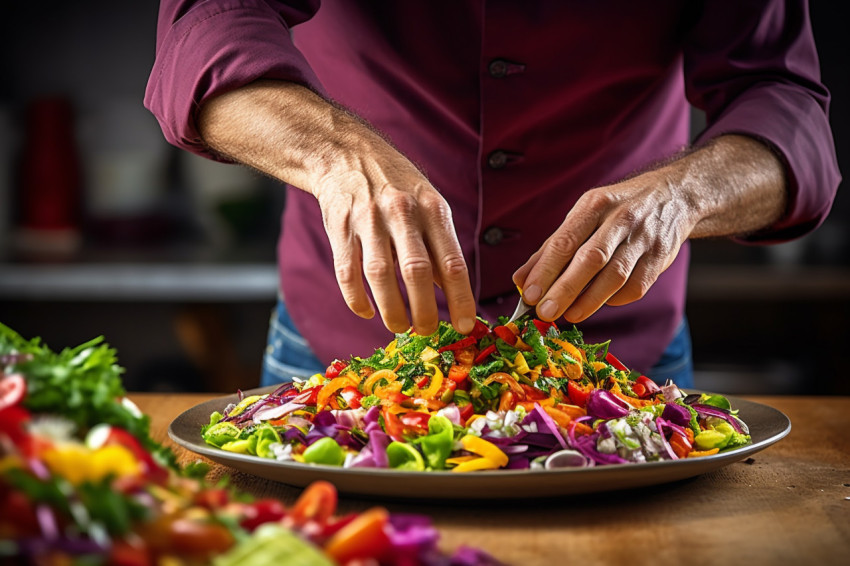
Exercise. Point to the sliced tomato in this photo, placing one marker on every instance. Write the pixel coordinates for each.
(651, 388)
(317, 503)
(335, 368)
(533, 393)
(578, 394)
(124, 553)
(199, 539)
(458, 373)
(466, 411)
(361, 539)
(465, 356)
(262, 511)
(12, 421)
(505, 334)
(13, 388)
(351, 396)
(415, 422)
(212, 498)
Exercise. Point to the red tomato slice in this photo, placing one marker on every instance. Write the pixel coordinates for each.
(13, 388)
(262, 511)
(317, 503)
(578, 395)
(458, 373)
(351, 396)
(362, 538)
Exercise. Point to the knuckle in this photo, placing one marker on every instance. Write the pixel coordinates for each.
(346, 275)
(563, 244)
(454, 266)
(402, 205)
(377, 269)
(620, 272)
(593, 256)
(416, 269)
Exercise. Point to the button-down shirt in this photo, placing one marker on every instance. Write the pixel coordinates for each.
(513, 110)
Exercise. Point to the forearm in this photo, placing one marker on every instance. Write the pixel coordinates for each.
(736, 186)
(285, 130)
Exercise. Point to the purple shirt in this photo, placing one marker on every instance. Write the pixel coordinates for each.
(513, 110)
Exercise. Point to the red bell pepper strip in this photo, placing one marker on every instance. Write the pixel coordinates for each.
(612, 359)
(459, 345)
(484, 354)
(505, 334)
(543, 326)
(480, 330)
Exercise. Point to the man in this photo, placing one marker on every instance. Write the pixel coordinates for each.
(460, 141)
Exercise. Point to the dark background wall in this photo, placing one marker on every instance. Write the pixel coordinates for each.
(764, 320)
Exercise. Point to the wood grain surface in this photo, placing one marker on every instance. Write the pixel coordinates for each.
(789, 504)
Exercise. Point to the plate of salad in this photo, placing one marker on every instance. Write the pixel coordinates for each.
(519, 409)
(83, 482)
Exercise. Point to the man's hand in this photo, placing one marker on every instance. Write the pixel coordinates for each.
(618, 239)
(378, 208)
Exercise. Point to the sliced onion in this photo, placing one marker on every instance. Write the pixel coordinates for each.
(566, 459)
(708, 411)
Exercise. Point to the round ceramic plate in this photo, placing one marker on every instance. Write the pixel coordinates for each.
(767, 426)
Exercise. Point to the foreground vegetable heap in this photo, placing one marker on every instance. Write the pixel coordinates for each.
(519, 395)
(82, 482)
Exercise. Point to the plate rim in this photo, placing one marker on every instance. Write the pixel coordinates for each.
(684, 468)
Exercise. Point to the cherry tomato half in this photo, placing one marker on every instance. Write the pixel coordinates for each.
(317, 503)
(12, 390)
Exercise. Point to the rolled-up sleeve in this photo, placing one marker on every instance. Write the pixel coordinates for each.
(752, 66)
(209, 47)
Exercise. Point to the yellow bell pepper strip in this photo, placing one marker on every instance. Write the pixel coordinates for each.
(243, 404)
(369, 385)
(485, 449)
(78, 464)
(436, 382)
(520, 364)
(461, 459)
(334, 385)
(476, 465)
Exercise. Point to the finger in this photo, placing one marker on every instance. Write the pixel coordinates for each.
(347, 258)
(642, 278)
(587, 262)
(379, 269)
(521, 274)
(450, 269)
(416, 272)
(607, 283)
(557, 252)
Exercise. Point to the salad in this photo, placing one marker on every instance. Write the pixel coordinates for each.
(82, 482)
(518, 395)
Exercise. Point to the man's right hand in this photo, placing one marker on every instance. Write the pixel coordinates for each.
(377, 207)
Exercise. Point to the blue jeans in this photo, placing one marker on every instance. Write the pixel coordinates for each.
(288, 354)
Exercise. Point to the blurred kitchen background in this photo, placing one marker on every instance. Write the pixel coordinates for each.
(105, 229)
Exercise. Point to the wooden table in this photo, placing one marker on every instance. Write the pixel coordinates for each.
(789, 504)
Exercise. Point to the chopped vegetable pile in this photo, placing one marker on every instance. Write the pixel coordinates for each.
(82, 482)
(519, 395)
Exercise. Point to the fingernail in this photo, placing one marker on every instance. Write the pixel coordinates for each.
(549, 309)
(465, 325)
(532, 293)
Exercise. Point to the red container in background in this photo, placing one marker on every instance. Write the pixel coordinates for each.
(50, 184)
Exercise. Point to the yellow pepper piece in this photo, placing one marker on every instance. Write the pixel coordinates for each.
(243, 404)
(436, 382)
(484, 448)
(476, 464)
(77, 463)
(520, 364)
(331, 388)
(369, 384)
(461, 459)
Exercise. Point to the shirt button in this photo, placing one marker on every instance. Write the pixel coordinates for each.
(493, 236)
(497, 159)
(498, 68)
